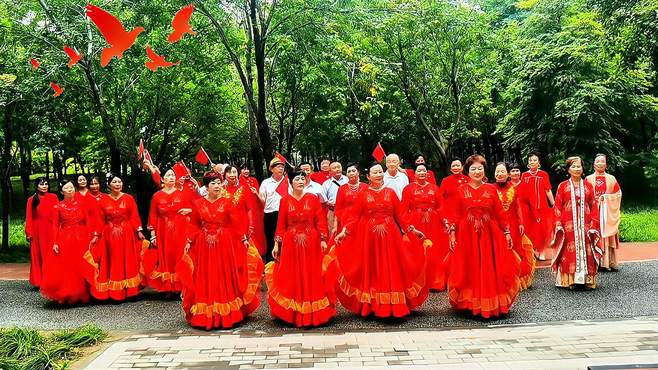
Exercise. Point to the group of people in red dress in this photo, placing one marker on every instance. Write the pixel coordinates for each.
(377, 247)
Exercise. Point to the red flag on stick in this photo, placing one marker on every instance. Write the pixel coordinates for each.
(202, 157)
(180, 169)
(379, 153)
(140, 151)
(281, 158)
(282, 188)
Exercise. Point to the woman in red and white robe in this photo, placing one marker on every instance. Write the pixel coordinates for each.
(577, 235)
(607, 194)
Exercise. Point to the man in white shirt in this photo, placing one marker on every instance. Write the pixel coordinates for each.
(270, 194)
(393, 177)
(330, 188)
(311, 186)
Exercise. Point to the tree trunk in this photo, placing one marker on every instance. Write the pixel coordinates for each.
(48, 165)
(5, 170)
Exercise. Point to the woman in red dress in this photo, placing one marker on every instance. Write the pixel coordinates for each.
(411, 172)
(298, 292)
(346, 197)
(168, 220)
(255, 208)
(39, 228)
(379, 271)
(242, 200)
(422, 202)
(509, 197)
(536, 187)
(577, 254)
(116, 260)
(449, 184)
(220, 270)
(74, 232)
(95, 188)
(483, 276)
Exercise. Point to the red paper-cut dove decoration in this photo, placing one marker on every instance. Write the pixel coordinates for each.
(114, 33)
(35, 64)
(74, 56)
(156, 61)
(181, 24)
(58, 90)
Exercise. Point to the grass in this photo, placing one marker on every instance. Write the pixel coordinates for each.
(639, 225)
(22, 348)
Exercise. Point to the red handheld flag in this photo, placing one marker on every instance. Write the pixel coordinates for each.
(282, 188)
(147, 156)
(202, 157)
(180, 169)
(140, 151)
(281, 158)
(379, 153)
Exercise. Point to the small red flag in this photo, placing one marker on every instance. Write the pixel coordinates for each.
(202, 157)
(281, 158)
(379, 153)
(282, 188)
(140, 151)
(180, 169)
(147, 156)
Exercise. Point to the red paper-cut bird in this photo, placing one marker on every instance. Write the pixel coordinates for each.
(35, 64)
(181, 24)
(156, 61)
(74, 57)
(119, 39)
(58, 90)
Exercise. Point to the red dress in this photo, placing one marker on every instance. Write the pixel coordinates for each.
(538, 215)
(378, 271)
(170, 231)
(298, 293)
(73, 228)
(411, 174)
(423, 204)
(577, 255)
(116, 258)
(449, 185)
(483, 275)
(220, 276)
(511, 200)
(39, 227)
(345, 200)
(256, 209)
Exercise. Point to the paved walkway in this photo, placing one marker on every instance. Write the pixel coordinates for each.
(629, 252)
(562, 345)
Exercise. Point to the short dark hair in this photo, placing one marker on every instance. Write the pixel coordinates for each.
(228, 168)
(353, 164)
(418, 165)
(296, 172)
(112, 175)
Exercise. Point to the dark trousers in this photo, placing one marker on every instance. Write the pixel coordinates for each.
(270, 229)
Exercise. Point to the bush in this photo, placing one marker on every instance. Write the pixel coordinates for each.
(22, 348)
(639, 225)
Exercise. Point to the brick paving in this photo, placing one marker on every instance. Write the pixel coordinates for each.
(562, 345)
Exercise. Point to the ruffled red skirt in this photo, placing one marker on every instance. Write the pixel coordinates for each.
(432, 225)
(483, 273)
(379, 272)
(298, 291)
(63, 279)
(160, 263)
(220, 280)
(113, 265)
